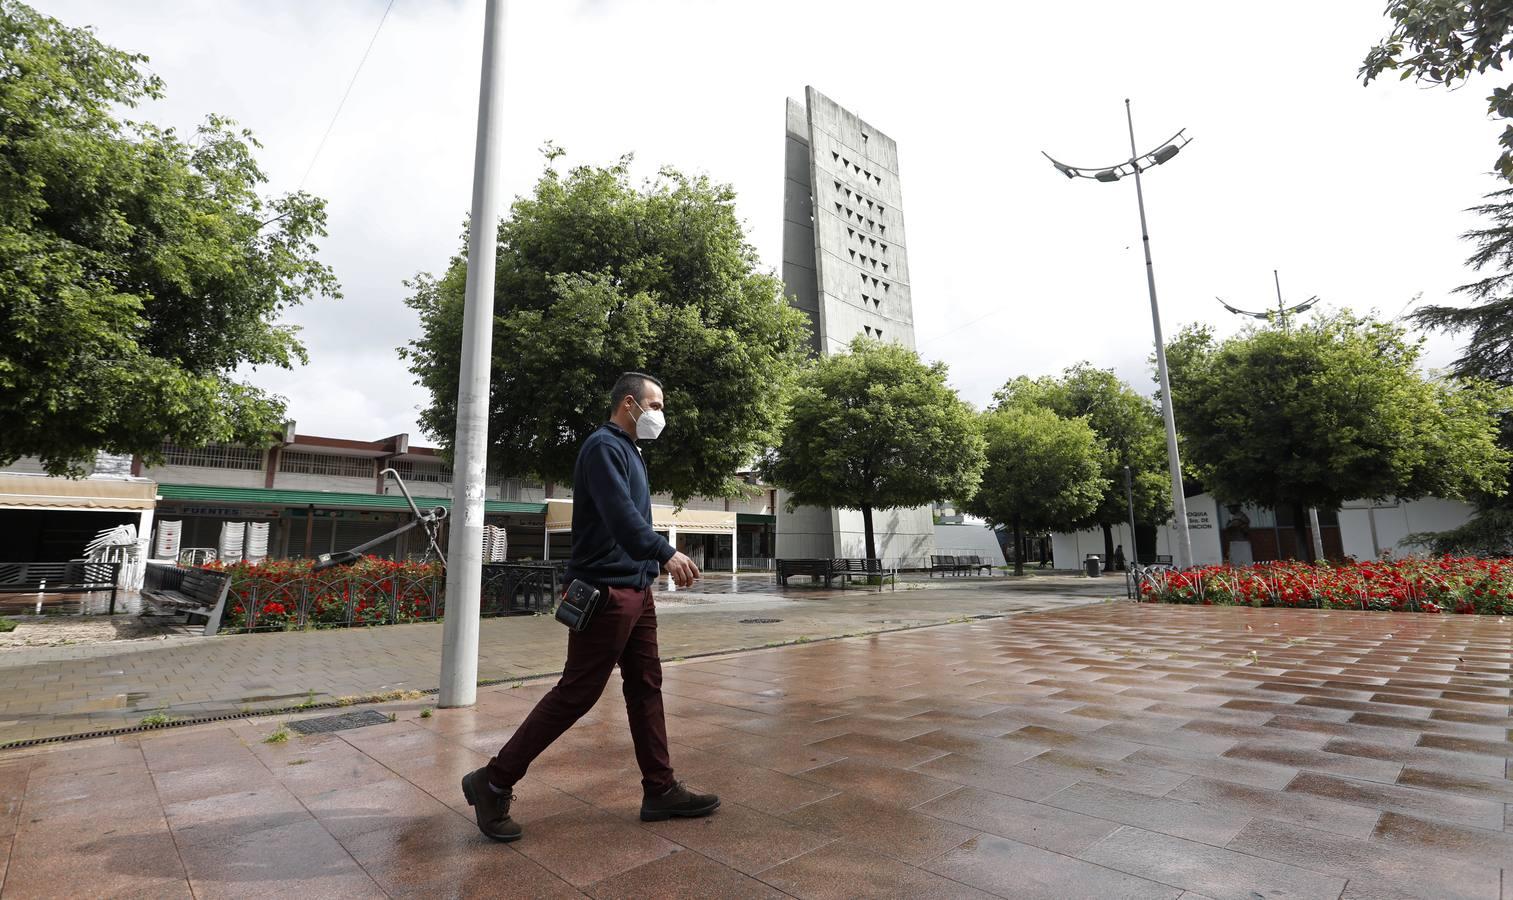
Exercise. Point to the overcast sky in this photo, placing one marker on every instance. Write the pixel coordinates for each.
(1355, 194)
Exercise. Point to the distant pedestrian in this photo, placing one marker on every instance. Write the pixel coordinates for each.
(614, 550)
(1119, 558)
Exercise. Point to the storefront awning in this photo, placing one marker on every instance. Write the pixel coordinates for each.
(559, 519)
(19, 491)
(325, 499)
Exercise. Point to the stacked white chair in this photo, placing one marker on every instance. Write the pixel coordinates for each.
(167, 544)
(495, 544)
(233, 535)
(118, 545)
(257, 542)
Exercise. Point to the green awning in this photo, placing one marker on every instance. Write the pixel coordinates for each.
(755, 519)
(325, 499)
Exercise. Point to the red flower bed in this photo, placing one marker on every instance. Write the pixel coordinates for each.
(1434, 585)
(277, 594)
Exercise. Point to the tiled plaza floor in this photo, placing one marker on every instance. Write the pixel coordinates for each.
(1108, 751)
(58, 690)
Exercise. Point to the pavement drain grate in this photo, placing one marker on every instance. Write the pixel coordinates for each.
(339, 723)
(760, 621)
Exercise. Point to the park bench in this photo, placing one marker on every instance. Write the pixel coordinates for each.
(60, 578)
(847, 569)
(944, 564)
(197, 593)
(814, 568)
(975, 564)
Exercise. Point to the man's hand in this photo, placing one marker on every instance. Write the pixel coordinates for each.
(682, 569)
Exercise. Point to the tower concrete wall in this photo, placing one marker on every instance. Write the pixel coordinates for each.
(846, 266)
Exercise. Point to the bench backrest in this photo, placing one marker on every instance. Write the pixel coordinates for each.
(868, 566)
(943, 560)
(804, 566)
(72, 572)
(203, 586)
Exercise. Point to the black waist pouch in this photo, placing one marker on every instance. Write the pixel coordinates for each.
(578, 604)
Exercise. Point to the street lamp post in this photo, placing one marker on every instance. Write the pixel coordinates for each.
(1136, 164)
(1129, 497)
(459, 639)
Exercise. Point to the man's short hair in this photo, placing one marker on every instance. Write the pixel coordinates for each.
(630, 384)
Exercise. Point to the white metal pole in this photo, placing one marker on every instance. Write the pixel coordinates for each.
(1184, 548)
(459, 641)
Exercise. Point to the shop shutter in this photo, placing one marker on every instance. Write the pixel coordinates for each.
(350, 533)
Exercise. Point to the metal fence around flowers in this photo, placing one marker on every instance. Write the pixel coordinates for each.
(266, 604)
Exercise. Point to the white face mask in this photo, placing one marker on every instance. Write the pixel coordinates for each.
(650, 424)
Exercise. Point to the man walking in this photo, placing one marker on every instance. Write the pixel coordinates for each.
(616, 551)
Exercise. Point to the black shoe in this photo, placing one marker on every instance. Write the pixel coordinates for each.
(492, 809)
(677, 801)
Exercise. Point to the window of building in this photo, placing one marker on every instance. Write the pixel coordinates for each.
(853, 255)
(885, 266)
(864, 278)
(214, 456)
(868, 329)
(834, 155)
(871, 224)
(874, 281)
(878, 178)
(435, 473)
(326, 464)
(882, 229)
(885, 287)
(879, 333)
(837, 207)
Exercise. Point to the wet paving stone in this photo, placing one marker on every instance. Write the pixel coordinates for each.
(1109, 750)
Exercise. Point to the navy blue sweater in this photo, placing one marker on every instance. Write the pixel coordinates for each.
(613, 541)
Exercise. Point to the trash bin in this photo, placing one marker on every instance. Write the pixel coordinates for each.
(1093, 565)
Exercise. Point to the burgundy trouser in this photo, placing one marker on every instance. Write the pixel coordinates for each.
(623, 631)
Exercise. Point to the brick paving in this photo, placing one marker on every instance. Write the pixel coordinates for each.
(1103, 751)
(59, 690)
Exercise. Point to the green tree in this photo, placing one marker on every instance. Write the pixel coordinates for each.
(138, 271)
(1130, 430)
(1043, 473)
(875, 428)
(1330, 411)
(1488, 321)
(596, 277)
(1445, 42)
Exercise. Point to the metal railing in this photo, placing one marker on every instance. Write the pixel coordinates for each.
(511, 589)
(261, 604)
